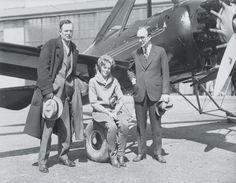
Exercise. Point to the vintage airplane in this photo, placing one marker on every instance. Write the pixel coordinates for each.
(182, 30)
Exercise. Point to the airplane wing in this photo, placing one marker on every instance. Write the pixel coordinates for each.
(16, 98)
(203, 77)
(18, 60)
(22, 61)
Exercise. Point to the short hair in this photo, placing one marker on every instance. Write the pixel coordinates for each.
(62, 22)
(102, 60)
(147, 28)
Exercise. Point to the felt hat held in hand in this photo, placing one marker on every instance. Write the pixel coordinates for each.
(162, 107)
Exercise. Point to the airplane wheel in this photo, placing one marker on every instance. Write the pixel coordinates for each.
(96, 143)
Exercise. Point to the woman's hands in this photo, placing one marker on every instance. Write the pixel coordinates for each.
(113, 115)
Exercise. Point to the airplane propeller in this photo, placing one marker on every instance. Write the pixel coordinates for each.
(225, 29)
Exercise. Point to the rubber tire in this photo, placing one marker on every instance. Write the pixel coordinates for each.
(96, 142)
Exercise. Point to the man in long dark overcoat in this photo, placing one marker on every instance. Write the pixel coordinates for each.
(56, 76)
(149, 74)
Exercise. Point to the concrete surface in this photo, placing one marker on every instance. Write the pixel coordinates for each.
(198, 149)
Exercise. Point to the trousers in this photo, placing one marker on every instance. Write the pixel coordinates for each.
(63, 129)
(141, 109)
(116, 134)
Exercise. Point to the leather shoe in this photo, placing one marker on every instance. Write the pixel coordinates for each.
(122, 161)
(114, 162)
(139, 157)
(159, 158)
(66, 162)
(43, 168)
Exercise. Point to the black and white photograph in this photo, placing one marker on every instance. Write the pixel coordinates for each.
(118, 91)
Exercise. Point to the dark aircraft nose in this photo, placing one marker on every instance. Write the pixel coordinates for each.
(206, 40)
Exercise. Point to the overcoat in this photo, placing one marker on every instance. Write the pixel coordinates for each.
(51, 58)
(151, 74)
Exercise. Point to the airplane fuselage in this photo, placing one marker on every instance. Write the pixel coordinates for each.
(182, 30)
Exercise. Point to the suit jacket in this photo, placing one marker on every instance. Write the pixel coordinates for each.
(152, 74)
(50, 60)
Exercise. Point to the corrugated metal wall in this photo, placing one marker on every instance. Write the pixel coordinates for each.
(86, 25)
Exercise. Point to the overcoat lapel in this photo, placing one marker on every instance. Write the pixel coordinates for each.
(59, 47)
(57, 57)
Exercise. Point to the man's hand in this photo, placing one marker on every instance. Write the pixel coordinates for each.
(165, 98)
(133, 81)
(49, 96)
(224, 25)
(118, 123)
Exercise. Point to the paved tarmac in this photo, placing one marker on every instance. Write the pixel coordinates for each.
(198, 149)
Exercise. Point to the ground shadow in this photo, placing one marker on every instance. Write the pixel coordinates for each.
(11, 133)
(77, 153)
(22, 124)
(212, 134)
(207, 132)
(203, 132)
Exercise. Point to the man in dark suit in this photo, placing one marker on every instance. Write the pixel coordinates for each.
(149, 74)
(56, 77)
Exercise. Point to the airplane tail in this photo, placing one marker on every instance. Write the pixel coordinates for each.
(117, 18)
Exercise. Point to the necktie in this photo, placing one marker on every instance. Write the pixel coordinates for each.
(145, 52)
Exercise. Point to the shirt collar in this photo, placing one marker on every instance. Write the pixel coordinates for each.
(66, 46)
(148, 49)
(101, 80)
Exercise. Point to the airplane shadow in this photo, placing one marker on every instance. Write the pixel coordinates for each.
(11, 133)
(77, 153)
(22, 124)
(211, 133)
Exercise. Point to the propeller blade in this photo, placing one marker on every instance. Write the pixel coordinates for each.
(226, 65)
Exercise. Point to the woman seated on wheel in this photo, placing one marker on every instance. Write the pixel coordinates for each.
(105, 97)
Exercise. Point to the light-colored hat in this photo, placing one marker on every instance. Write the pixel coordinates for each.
(52, 108)
(162, 107)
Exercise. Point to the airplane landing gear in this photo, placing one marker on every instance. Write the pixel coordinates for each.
(96, 143)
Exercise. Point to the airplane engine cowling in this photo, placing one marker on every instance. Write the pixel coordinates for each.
(206, 40)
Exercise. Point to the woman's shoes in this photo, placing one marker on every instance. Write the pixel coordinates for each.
(122, 161)
(114, 161)
(139, 157)
(66, 162)
(117, 161)
(43, 168)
